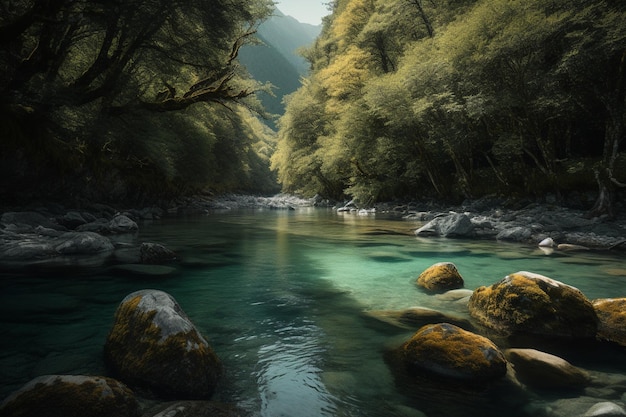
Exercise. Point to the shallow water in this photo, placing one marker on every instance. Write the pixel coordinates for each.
(281, 295)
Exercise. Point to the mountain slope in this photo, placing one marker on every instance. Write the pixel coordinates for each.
(276, 60)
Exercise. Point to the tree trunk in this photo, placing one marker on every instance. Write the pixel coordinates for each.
(613, 136)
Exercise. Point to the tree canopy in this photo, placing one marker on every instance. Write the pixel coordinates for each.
(460, 98)
(136, 96)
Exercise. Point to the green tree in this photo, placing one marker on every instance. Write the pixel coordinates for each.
(127, 85)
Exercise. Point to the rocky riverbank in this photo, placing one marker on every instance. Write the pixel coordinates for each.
(96, 234)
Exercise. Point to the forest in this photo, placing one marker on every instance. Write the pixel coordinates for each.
(145, 100)
(457, 99)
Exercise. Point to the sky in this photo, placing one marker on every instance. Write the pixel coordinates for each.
(305, 11)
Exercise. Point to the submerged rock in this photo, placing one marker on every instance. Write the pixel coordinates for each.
(154, 253)
(194, 409)
(71, 396)
(416, 317)
(612, 319)
(543, 370)
(528, 303)
(450, 352)
(442, 276)
(154, 344)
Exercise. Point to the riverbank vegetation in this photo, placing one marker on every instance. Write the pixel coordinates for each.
(144, 100)
(460, 98)
(129, 101)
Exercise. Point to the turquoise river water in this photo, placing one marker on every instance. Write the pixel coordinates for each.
(281, 296)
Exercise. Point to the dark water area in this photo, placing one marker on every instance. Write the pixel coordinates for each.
(281, 297)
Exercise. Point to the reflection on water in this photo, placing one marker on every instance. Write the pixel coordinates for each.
(280, 296)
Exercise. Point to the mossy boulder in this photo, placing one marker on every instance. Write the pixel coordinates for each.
(447, 351)
(71, 396)
(525, 303)
(611, 314)
(543, 370)
(442, 276)
(154, 344)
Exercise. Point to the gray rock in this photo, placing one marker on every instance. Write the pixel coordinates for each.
(454, 225)
(72, 220)
(540, 369)
(97, 226)
(154, 253)
(153, 343)
(72, 396)
(29, 218)
(122, 224)
(605, 409)
(515, 234)
(26, 249)
(82, 243)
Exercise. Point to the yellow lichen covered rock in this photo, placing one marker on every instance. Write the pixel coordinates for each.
(612, 319)
(71, 396)
(543, 370)
(154, 344)
(528, 303)
(442, 276)
(448, 351)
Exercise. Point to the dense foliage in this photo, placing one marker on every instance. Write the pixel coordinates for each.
(131, 100)
(460, 98)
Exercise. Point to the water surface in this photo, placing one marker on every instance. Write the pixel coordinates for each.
(280, 295)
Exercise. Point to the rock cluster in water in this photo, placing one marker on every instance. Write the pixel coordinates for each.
(152, 346)
(525, 308)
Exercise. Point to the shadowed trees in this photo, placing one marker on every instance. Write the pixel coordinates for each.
(98, 77)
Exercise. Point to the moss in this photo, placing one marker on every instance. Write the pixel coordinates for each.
(443, 276)
(137, 352)
(105, 398)
(612, 319)
(451, 351)
(525, 302)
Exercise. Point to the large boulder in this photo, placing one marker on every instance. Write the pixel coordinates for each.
(453, 225)
(450, 352)
(611, 313)
(154, 344)
(71, 396)
(543, 370)
(442, 276)
(532, 304)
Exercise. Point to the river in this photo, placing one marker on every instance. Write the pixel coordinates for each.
(281, 296)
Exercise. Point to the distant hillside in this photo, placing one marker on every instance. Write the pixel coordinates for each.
(277, 60)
